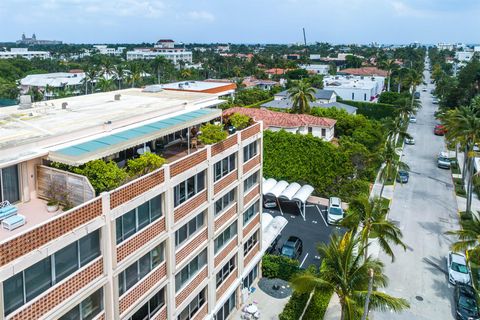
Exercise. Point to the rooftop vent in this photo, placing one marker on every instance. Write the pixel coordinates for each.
(117, 97)
(64, 105)
(25, 102)
(153, 88)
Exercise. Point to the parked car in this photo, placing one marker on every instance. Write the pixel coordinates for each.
(410, 140)
(335, 211)
(402, 176)
(273, 247)
(466, 303)
(443, 161)
(269, 203)
(292, 248)
(435, 101)
(424, 90)
(439, 130)
(412, 119)
(416, 95)
(458, 271)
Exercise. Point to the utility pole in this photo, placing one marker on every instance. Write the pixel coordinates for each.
(305, 42)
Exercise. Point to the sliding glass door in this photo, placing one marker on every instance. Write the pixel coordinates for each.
(9, 184)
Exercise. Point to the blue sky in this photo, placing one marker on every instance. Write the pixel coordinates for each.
(245, 21)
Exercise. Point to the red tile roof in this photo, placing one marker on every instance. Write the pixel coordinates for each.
(275, 71)
(281, 119)
(365, 71)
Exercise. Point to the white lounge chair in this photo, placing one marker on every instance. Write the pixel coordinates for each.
(13, 222)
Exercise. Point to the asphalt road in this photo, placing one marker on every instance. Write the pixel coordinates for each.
(424, 209)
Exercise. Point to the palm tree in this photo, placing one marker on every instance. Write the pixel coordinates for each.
(347, 273)
(119, 72)
(465, 122)
(107, 68)
(186, 73)
(389, 65)
(412, 80)
(391, 161)
(158, 64)
(91, 75)
(394, 129)
(468, 236)
(135, 74)
(369, 218)
(301, 94)
(105, 84)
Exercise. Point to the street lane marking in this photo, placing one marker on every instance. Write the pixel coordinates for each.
(321, 215)
(303, 260)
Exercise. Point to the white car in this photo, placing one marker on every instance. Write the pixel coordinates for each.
(335, 211)
(412, 119)
(410, 141)
(458, 271)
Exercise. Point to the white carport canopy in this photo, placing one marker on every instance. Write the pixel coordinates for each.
(290, 191)
(271, 228)
(277, 189)
(268, 184)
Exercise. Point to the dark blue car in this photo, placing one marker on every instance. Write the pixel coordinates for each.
(402, 176)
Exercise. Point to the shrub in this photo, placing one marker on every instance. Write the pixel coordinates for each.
(239, 121)
(318, 305)
(376, 111)
(279, 267)
(294, 308)
(144, 164)
(212, 133)
(103, 176)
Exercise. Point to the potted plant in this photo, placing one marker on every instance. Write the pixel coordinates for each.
(52, 205)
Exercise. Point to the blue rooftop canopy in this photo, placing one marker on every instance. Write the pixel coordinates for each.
(81, 153)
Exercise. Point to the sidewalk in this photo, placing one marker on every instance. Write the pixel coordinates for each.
(268, 306)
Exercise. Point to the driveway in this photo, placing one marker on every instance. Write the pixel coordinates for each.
(312, 231)
(424, 209)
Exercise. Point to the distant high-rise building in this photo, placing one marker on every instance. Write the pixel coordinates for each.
(33, 40)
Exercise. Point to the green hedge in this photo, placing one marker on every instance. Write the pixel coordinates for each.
(371, 110)
(279, 267)
(258, 104)
(318, 305)
(294, 308)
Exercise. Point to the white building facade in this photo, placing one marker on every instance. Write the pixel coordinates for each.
(24, 53)
(366, 89)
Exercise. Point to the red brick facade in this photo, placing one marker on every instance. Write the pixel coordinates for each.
(134, 189)
(224, 145)
(140, 239)
(42, 235)
(188, 162)
(250, 131)
(186, 291)
(202, 313)
(225, 181)
(251, 225)
(251, 194)
(190, 205)
(225, 216)
(252, 163)
(141, 288)
(225, 251)
(227, 283)
(161, 315)
(61, 293)
(255, 250)
(195, 243)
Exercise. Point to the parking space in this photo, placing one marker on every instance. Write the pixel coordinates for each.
(312, 231)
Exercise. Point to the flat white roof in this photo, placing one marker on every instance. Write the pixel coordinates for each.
(57, 79)
(194, 85)
(29, 132)
(350, 82)
(268, 184)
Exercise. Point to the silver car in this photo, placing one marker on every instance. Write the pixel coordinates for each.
(458, 271)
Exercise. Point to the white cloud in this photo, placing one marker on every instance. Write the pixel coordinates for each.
(403, 9)
(201, 15)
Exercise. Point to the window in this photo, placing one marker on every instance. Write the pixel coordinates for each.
(250, 213)
(249, 151)
(188, 188)
(87, 309)
(138, 218)
(365, 97)
(225, 166)
(140, 268)
(324, 132)
(225, 201)
(225, 237)
(353, 96)
(189, 228)
(250, 182)
(252, 275)
(9, 184)
(44, 274)
(193, 306)
(226, 270)
(247, 246)
(310, 129)
(227, 308)
(149, 309)
(190, 270)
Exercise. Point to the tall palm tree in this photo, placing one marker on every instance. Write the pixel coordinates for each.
(391, 161)
(412, 80)
(158, 65)
(105, 84)
(394, 129)
(107, 68)
(389, 65)
(465, 122)
(91, 75)
(301, 94)
(135, 74)
(119, 72)
(347, 273)
(468, 235)
(369, 218)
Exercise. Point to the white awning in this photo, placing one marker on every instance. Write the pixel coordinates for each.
(277, 189)
(290, 191)
(268, 184)
(271, 230)
(303, 194)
